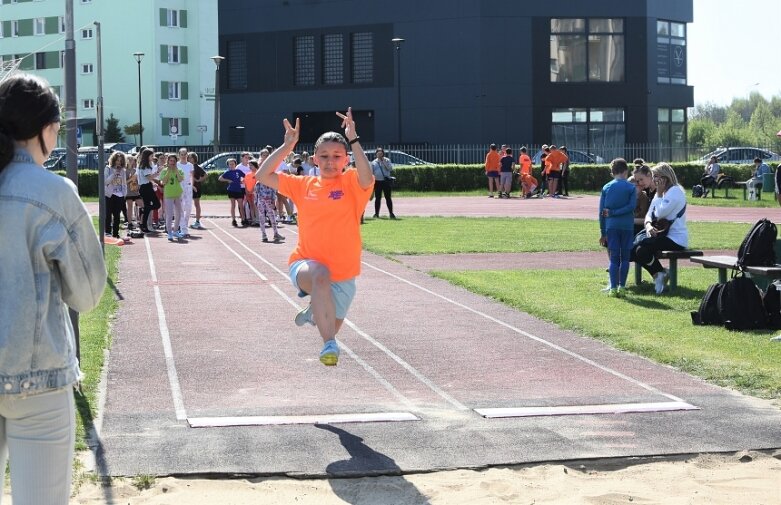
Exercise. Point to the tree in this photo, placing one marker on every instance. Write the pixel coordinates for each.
(134, 129)
(113, 133)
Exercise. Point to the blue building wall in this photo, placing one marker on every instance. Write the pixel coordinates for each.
(471, 71)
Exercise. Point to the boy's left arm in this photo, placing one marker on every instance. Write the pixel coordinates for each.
(362, 165)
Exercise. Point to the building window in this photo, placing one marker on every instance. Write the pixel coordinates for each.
(89, 103)
(587, 50)
(333, 59)
(62, 59)
(174, 91)
(587, 128)
(670, 52)
(672, 127)
(362, 57)
(86, 33)
(304, 55)
(237, 64)
(62, 24)
(86, 68)
(1, 30)
(14, 28)
(39, 26)
(176, 126)
(173, 17)
(86, 1)
(173, 54)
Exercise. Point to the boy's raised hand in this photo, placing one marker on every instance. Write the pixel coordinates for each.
(291, 134)
(348, 123)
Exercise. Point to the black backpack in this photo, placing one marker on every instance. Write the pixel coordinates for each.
(758, 248)
(698, 190)
(771, 301)
(708, 312)
(740, 305)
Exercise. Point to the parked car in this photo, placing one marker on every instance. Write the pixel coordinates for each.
(125, 147)
(575, 157)
(740, 155)
(86, 158)
(396, 157)
(220, 161)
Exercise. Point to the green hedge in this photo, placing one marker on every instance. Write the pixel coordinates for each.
(467, 177)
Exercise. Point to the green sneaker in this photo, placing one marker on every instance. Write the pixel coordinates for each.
(329, 356)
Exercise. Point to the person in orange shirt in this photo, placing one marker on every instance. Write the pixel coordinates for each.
(553, 163)
(528, 182)
(492, 169)
(327, 257)
(249, 194)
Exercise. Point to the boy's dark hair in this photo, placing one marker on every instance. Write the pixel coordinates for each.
(618, 166)
(757, 160)
(493, 147)
(523, 149)
(254, 163)
(332, 137)
(509, 150)
(27, 106)
(639, 161)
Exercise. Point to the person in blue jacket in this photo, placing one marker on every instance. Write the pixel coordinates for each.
(616, 224)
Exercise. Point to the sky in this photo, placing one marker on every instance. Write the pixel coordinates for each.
(734, 49)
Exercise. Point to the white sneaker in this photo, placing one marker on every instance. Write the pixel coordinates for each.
(776, 339)
(606, 289)
(659, 281)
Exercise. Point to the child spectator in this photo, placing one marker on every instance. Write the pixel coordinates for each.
(235, 178)
(506, 169)
(492, 169)
(249, 193)
(265, 197)
(327, 258)
(616, 220)
(199, 175)
(171, 178)
(115, 191)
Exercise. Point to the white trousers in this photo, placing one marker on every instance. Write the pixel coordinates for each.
(39, 432)
(173, 210)
(187, 206)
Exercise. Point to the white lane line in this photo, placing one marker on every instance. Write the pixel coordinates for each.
(219, 422)
(541, 340)
(374, 373)
(173, 379)
(571, 410)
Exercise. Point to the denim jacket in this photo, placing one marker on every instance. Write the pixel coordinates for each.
(50, 259)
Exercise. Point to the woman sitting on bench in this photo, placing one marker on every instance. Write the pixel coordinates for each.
(665, 224)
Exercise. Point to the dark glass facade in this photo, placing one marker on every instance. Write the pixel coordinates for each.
(596, 73)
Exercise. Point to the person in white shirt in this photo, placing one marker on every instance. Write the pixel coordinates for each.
(187, 191)
(668, 205)
(710, 173)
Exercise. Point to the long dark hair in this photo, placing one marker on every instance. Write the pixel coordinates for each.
(27, 106)
(143, 158)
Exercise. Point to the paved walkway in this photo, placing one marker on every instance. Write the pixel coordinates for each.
(578, 207)
(208, 374)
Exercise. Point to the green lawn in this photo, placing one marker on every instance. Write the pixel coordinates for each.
(658, 327)
(94, 338)
(440, 235)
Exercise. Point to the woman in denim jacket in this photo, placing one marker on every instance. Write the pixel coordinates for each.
(51, 260)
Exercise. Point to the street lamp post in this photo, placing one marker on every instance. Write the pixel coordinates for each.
(139, 57)
(397, 44)
(217, 60)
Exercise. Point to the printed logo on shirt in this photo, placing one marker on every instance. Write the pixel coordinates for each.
(336, 194)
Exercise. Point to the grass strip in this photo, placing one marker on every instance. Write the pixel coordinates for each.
(452, 235)
(657, 327)
(95, 337)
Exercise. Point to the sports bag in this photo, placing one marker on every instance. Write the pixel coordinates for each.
(758, 248)
(698, 191)
(740, 305)
(771, 301)
(708, 312)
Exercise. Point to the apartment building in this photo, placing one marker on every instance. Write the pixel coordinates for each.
(177, 39)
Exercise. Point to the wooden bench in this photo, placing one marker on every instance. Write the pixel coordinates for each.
(762, 276)
(744, 185)
(672, 271)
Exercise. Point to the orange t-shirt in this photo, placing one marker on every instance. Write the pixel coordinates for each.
(526, 163)
(249, 182)
(554, 160)
(329, 220)
(492, 161)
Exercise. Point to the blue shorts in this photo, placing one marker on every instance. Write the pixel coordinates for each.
(342, 292)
